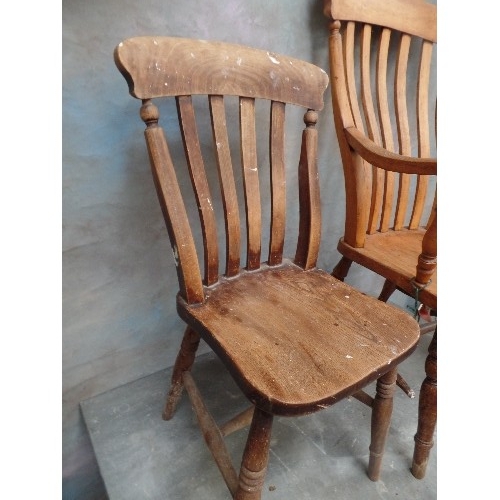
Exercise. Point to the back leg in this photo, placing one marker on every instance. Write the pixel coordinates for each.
(342, 268)
(387, 290)
(183, 363)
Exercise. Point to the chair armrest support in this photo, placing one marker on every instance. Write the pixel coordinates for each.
(382, 158)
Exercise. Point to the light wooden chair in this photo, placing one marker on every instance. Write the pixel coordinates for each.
(381, 60)
(294, 339)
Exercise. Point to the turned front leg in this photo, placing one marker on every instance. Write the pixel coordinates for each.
(184, 362)
(381, 419)
(255, 458)
(427, 413)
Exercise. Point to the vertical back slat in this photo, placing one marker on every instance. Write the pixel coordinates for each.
(366, 88)
(371, 125)
(350, 74)
(278, 191)
(250, 181)
(423, 130)
(403, 127)
(187, 122)
(385, 126)
(228, 187)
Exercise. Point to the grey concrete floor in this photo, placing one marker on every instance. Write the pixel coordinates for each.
(319, 456)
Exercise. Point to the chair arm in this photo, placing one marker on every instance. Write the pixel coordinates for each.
(382, 158)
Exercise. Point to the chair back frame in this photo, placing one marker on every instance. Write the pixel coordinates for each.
(159, 67)
(384, 196)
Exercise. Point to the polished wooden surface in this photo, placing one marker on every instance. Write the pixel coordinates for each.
(385, 121)
(295, 339)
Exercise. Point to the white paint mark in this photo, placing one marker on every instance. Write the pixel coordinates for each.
(155, 42)
(272, 59)
(346, 296)
(296, 88)
(176, 255)
(348, 357)
(238, 61)
(120, 44)
(193, 56)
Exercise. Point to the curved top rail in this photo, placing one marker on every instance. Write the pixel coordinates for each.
(157, 66)
(415, 17)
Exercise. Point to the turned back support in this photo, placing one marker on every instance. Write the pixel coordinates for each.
(379, 90)
(158, 67)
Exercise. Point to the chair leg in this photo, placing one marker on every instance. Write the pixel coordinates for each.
(255, 458)
(184, 362)
(427, 413)
(387, 290)
(385, 294)
(381, 419)
(342, 268)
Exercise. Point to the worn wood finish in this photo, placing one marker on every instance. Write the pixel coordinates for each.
(227, 184)
(396, 266)
(250, 181)
(309, 200)
(381, 411)
(259, 305)
(215, 68)
(212, 434)
(427, 414)
(278, 182)
(417, 17)
(295, 339)
(183, 363)
(390, 174)
(238, 422)
(194, 157)
(255, 457)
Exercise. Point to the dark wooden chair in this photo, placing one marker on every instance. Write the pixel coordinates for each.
(295, 339)
(381, 55)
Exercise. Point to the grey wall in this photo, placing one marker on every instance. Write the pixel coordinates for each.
(119, 319)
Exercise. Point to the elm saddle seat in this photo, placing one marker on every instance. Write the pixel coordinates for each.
(295, 339)
(384, 106)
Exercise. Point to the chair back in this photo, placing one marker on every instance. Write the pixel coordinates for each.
(383, 85)
(233, 80)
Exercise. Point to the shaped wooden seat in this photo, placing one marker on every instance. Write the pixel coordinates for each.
(295, 339)
(381, 61)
